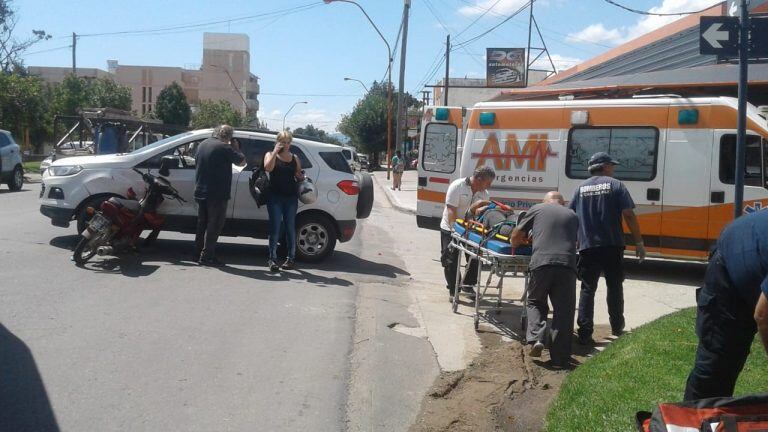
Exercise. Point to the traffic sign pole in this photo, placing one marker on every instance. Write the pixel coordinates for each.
(741, 133)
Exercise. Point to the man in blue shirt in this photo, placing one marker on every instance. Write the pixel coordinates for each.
(732, 307)
(601, 202)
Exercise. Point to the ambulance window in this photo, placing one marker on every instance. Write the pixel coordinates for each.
(634, 147)
(753, 172)
(440, 148)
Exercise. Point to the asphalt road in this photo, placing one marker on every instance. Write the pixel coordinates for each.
(153, 342)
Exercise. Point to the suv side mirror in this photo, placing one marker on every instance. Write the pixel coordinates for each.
(167, 163)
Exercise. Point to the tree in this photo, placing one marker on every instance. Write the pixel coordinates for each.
(366, 125)
(211, 114)
(75, 93)
(106, 93)
(23, 106)
(310, 131)
(11, 48)
(172, 107)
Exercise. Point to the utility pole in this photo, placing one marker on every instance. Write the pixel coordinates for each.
(741, 133)
(425, 97)
(74, 50)
(399, 123)
(447, 65)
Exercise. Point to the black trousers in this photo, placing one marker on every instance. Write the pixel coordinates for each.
(558, 284)
(450, 259)
(211, 215)
(725, 327)
(608, 261)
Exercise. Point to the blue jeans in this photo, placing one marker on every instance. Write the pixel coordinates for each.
(282, 212)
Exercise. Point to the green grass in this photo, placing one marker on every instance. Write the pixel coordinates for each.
(31, 166)
(648, 366)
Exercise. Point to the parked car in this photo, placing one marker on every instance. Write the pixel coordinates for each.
(363, 162)
(352, 158)
(11, 171)
(71, 185)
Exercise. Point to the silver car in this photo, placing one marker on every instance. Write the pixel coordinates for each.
(11, 171)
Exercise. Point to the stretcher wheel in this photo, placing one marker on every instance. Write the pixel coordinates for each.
(477, 322)
(524, 323)
(455, 305)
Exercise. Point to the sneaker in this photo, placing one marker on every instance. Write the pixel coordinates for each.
(273, 267)
(469, 291)
(585, 339)
(289, 264)
(536, 349)
(210, 262)
(618, 331)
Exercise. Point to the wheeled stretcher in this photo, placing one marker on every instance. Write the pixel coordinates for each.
(495, 256)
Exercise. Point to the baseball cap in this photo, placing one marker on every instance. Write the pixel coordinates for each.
(601, 158)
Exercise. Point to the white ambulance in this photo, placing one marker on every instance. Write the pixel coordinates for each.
(677, 159)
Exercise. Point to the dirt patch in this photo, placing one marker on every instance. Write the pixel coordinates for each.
(503, 389)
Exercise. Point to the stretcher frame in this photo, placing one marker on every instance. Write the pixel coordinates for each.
(500, 265)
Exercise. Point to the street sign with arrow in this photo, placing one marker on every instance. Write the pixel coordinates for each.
(719, 36)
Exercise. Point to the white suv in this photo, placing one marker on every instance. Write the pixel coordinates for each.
(11, 171)
(73, 184)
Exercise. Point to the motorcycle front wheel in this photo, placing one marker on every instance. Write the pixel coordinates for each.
(85, 249)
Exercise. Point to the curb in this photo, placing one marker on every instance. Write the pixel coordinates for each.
(393, 199)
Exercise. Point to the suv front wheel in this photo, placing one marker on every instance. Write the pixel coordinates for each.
(315, 237)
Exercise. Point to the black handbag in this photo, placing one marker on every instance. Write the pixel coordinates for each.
(259, 185)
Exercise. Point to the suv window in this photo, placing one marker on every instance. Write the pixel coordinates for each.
(336, 161)
(755, 160)
(186, 151)
(4, 141)
(255, 149)
(635, 147)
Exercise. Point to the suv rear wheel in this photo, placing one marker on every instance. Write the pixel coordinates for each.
(315, 237)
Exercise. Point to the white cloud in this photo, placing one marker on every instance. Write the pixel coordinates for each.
(504, 7)
(320, 118)
(561, 62)
(600, 34)
(596, 33)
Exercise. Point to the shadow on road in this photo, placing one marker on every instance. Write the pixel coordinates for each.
(24, 188)
(24, 403)
(179, 252)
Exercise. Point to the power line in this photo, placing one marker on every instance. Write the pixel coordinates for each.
(47, 50)
(160, 30)
(470, 40)
(640, 12)
(485, 11)
(434, 13)
(312, 95)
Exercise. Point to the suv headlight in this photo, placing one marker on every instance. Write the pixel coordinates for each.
(64, 170)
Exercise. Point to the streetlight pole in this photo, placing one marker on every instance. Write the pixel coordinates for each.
(289, 110)
(389, 81)
(361, 83)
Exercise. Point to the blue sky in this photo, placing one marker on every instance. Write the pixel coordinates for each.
(305, 55)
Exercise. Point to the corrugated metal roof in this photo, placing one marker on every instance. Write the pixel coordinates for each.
(703, 76)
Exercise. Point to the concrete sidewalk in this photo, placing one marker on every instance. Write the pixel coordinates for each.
(402, 200)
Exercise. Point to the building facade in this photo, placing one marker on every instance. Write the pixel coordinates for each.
(223, 75)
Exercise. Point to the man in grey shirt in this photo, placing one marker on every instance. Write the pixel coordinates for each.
(553, 229)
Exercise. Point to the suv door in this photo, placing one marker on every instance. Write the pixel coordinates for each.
(182, 178)
(243, 206)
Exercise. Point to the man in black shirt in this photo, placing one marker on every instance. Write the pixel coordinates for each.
(213, 181)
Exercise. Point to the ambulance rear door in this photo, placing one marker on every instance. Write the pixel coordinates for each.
(441, 134)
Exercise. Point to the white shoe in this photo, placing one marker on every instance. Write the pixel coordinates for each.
(536, 349)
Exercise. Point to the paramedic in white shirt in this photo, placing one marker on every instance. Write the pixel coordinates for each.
(465, 195)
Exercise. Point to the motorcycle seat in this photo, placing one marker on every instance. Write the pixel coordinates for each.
(131, 205)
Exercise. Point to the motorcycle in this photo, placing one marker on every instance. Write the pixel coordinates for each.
(119, 222)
